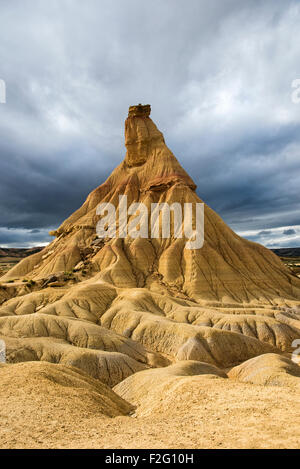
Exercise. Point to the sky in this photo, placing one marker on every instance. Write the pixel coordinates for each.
(217, 74)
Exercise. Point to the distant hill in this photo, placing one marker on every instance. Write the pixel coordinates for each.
(19, 253)
(287, 252)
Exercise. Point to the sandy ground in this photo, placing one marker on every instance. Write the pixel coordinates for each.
(202, 413)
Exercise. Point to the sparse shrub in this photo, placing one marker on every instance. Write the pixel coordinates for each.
(68, 274)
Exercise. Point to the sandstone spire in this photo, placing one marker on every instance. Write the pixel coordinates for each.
(140, 135)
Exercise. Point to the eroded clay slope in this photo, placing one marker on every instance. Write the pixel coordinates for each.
(269, 369)
(38, 398)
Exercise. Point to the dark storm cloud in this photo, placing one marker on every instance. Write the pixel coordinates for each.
(218, 76)
(289, 232)
(19, 238)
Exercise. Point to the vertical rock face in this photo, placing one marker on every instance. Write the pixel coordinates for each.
(223, 304)
(140, 135)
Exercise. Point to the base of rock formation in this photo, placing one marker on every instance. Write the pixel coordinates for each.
(186, 405)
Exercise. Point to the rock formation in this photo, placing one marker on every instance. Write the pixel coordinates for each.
(116, 307)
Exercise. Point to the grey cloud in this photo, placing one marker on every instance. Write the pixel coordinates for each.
(264, 232)
(218, 77)
(21, 238)
(289, 232)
